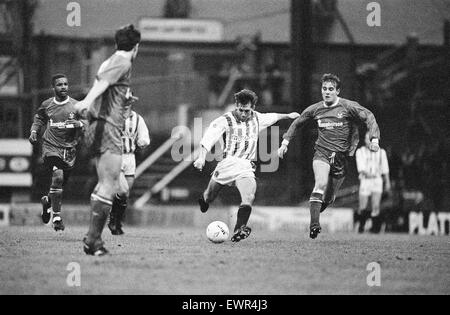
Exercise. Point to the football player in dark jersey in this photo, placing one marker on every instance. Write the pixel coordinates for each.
(336, 119)
(62, 129)
(106, 106)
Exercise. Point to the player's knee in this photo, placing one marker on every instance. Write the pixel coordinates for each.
(57, 178)
(108, 188)
(123, 194)
(248, 199)
(376, 208)
(320, 185)
(116, 183)
(110, 176)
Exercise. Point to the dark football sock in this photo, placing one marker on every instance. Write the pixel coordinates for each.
(376, 224)
(315, 204)
(324, 206)
(242, 216)
(356, 218)
(100, 208)
(118, 208)
(55, 197)
(363, 218)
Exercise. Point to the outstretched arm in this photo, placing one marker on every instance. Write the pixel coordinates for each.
(293, 128)
(109, 73)
(201, 160)
(97, 89)
(268, 119)
(364, 115)
(292, 131)
(212, 135)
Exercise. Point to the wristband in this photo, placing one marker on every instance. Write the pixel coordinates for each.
(375, 140)
(285, 142)
(33, 131)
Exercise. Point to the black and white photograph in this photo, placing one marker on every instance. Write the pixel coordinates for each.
(224, 153)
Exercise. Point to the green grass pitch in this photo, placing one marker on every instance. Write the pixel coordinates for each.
(181, 261)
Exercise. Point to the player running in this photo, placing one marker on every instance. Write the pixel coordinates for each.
(62, 130)
(106, 106)
(240, 129)
(336, 118)
(134, 136)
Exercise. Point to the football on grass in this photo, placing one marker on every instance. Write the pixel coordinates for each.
(217, 232)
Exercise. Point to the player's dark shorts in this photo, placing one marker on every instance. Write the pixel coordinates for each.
(51, 163)
(336, 160)
(101, 136)
(65, 156)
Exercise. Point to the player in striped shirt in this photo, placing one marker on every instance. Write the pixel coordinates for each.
(373, 169)
(240, 130)
(134, 136)
(336, 118)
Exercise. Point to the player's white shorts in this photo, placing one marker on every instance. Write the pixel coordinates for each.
(128, 164)
(231, 169)
(368, 186)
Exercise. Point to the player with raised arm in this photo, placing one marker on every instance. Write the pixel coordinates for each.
(62, 131)
(240, 129)
(106, 106)
(336, 118)
(134, 136)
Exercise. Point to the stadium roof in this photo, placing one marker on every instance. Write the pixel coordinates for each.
(399, 18)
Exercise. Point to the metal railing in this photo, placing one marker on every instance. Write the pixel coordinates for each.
(149, 161)
(166, 180)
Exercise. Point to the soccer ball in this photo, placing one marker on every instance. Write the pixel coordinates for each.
(217, 232)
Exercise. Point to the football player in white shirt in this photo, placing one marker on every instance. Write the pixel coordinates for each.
(240, 130)
(373, 169)
(134, 135)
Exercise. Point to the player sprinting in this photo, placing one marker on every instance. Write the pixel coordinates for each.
(62, 131)
(240, 129)
(134, 135)
(336, 118)
(106, 106)
(373, 169)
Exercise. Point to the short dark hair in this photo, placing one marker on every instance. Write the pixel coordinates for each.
(244, 96)
(127, 37)
(329, 77)
(57, 76)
